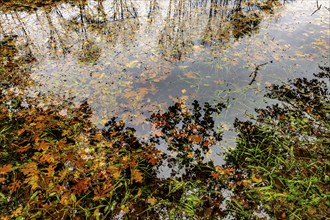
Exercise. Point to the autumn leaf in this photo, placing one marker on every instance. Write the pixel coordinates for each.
(298, 54)
(215, 175)
(125, 209)
(82, 186)
(137, 175)
(219, 82)
(23, 149)
(15, 185)
(256, 178)
(96, 213)
(5, 169)
(245, 183)
(318, 43)
(191, 75)
(195, 138)
(152, 200)
(139, 193)
(17, 212)
(20, 131)
(115, 171)
(308, 109)
(64, 199)
(43, 146)
(133, 64)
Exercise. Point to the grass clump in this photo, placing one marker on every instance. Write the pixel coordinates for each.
(285, 153)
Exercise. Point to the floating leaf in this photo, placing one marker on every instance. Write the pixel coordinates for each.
(191, 75)
(219, 81)
(133, 64)
(318, 42)
(300, 54)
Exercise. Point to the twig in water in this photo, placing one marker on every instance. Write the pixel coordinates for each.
(318, 7)
(255, 72)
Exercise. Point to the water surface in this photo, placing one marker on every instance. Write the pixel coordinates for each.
(129, 59)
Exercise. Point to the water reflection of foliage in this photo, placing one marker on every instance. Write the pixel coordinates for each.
(285, 153)
(118, 23)
(224, 20)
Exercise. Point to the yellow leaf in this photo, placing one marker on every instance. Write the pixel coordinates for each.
(139, 193)
(256, 178)
(300, 54)
(125, 209)
(137, 175)
(17, 212)
(96, 213)
(64, 200)
(4, 218)
(318, 42)
(152, 200)
(133, 64)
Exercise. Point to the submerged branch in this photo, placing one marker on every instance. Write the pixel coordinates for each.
(318, 7)
(254, 73)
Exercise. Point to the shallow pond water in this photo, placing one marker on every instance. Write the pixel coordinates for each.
(129, 59)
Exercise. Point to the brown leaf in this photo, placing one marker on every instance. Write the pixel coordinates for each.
(5, 169)
(195, 138)
(15, 185)
(308, 109)
(43, 146)
(23, 149)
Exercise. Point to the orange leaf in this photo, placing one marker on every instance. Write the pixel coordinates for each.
(23, 149)
(15, 185)
(43, 146)
(5, 169)
(30, 169)
(20, 131)
(82, 186)
(308, 109)
(137, 175)
(195, 138)
(215, 175)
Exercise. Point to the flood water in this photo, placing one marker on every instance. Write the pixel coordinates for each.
(129, 59)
